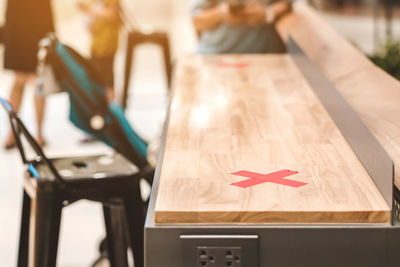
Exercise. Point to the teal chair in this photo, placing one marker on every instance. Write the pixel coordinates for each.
(89, 108)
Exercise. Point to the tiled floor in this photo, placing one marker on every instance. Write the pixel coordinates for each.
(82, 226)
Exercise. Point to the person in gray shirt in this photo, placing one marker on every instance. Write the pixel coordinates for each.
(238, 26)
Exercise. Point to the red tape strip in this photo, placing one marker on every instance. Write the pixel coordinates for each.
(274, 177)
(232, 65)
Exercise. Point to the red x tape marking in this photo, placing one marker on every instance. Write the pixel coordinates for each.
(274, 177)
(232, 65)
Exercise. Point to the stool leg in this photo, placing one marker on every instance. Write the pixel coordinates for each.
(128, 69)
(135, 220)
(46, 227)
(24, 232)
(167, 59)
(118, 218)
(116, 245)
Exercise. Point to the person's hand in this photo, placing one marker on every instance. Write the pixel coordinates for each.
(255, 13)
(110, 94)
(228, 17)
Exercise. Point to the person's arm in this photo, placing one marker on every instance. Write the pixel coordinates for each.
(107, 12)
(210, 18)
(257, 13)
(277, 9)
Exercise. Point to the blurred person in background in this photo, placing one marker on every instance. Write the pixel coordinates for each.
(104, 25)
(27, 22)
(235, 26)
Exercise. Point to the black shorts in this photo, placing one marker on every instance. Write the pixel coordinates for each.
(26, 23)
(105, 68)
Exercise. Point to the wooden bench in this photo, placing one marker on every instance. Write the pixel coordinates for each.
(257, 114)
(238, 117)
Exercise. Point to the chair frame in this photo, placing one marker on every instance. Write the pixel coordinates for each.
(44, 198)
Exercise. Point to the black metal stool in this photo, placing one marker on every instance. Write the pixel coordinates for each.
(51, 184)
(136, 37)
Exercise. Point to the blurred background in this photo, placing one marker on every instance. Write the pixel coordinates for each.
(371, 25)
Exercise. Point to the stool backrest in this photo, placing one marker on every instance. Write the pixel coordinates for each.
(18, 128)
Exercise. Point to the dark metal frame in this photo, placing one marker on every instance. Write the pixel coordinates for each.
(366, 245)
(18, 127)
(135, 38)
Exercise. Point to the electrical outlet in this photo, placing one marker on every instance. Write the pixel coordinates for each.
(219, 256)
(219, 250)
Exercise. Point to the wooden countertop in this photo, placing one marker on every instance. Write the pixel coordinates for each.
(257, 114)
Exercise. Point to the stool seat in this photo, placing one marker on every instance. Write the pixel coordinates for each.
(108, 179)
(89, 167)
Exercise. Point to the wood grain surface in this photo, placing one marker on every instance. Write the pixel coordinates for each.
(257, 113)
(372, 93)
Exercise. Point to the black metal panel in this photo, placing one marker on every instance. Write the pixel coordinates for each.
(288, 246)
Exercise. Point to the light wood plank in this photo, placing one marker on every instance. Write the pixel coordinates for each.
(372, 93)
(263, 118)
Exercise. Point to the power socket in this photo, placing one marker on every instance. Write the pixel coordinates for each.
(219, 256)
(219, 250)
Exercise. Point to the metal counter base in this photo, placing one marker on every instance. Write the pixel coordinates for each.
(311, 246)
